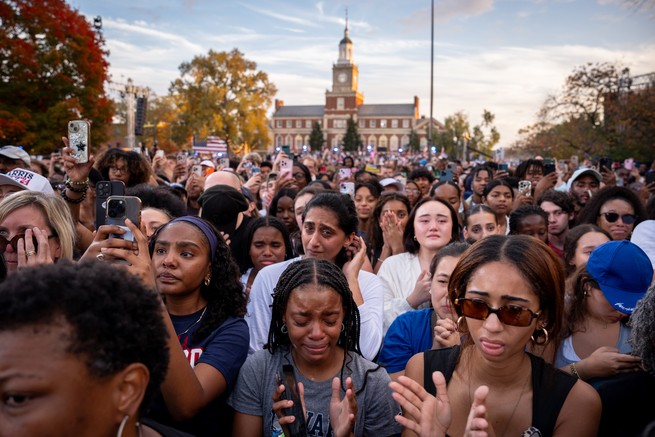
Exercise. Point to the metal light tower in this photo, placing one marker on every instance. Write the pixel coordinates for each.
(431, 74)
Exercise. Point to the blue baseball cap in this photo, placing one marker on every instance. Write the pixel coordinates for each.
(623, 272)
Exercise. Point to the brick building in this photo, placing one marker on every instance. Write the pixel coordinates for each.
(386, 126)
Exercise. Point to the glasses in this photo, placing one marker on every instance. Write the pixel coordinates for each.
(299, 175)
(512, 315)
(414, 191)
(118, 169)
(611, 217)
(4, 242)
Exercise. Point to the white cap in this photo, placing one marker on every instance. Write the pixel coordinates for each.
(13, 152)
(583, 171)
(208, 163)
(387, 182)
(644, 236)
(27, 180)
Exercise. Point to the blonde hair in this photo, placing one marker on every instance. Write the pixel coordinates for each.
(253, 157)
(55, 211)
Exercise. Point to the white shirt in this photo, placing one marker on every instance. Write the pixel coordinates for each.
(370, 312)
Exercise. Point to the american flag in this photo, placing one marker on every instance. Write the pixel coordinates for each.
(211, 145)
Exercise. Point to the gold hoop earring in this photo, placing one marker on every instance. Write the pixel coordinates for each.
(540, 340)
(284, 329)
(460, 329)
(207, 281)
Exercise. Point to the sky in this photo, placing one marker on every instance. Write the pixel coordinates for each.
(505, 56)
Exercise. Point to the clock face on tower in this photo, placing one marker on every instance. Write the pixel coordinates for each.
(342, 77)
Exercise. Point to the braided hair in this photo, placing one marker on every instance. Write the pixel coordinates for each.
(319, 273)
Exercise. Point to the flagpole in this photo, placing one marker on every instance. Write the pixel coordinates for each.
(431, 76)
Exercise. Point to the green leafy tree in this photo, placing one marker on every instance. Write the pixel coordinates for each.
(352, 141)
(414, 141)
(316, 139)
(52, 70)
(222, 94)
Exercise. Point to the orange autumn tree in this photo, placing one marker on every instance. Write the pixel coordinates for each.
(52, 69)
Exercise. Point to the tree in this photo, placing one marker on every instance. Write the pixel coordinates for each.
(316, 139)
(222, 94)
(52, 70)
(352, 141)
(599, 112)
(414, 141)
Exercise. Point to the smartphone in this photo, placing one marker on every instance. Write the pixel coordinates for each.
(286, 166)
(79, 133)
(549, 166)
(225, 162)
(105, 189)
(120, 208)
(503, 167)
(181, 159)
(286, 149)
(345, 173)
(197, 169)
(629, 163)
(347, 188)
(160, 153)
(452, 166)
(287, 377)
(525, 188)
(446, 175)
(255, 170)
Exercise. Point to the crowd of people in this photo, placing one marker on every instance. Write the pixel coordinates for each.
(325, 294)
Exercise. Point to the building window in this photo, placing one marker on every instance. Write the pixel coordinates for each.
(394, 124)
(405, 124)
(373, 123)
(383, 123)
(288, 123)
(298, 124)
(308, 124)
(340, 103)
(362, 124)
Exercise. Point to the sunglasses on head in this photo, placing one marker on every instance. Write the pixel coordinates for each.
(513, 315)
(611, 217)
(4, 242)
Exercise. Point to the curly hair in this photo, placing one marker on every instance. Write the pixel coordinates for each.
(591, 211)
(137, 167)
(411, 245)
(267, 222)
(421, 172)
(114, 319)
(538, 265)
(642, 335)
(224, 294)
(161, 198)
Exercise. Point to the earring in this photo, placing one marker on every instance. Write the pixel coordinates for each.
(207, 281)
(415, 238)
(121, 427)
(343, 327)
(459, 324)
(284, 329)
(541, 339)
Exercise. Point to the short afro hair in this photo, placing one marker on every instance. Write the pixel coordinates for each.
(114, 319)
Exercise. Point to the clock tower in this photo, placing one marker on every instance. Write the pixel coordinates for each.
(344, 95)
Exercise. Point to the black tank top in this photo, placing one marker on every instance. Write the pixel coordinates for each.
(550, 386)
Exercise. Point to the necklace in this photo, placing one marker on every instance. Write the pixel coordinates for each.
(193, 324)
(518, 401)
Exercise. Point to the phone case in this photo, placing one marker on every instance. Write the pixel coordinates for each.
(287, 377)
(79, 132)
(286, 166)
(121, 207)
(104, 189)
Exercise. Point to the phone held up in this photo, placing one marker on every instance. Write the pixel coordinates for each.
(79, 132)
(120, 208)
(286, 166)
(287, 377)
(105, 189)
(347, 188)
(525, 188)
(549, 166)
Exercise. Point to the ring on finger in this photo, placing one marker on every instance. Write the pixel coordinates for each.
(100, 257)
(30, 253)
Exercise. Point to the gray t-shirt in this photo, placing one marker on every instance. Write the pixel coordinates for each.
(253, 394)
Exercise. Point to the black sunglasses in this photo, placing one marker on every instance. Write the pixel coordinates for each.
(4, 242)
(513, 315)
(611, 217)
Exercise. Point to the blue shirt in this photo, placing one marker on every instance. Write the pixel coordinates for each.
(407, 336)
